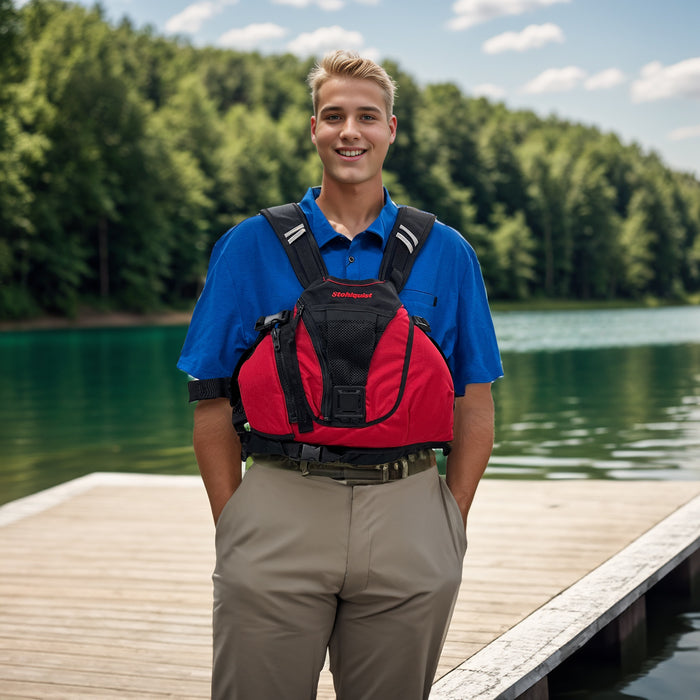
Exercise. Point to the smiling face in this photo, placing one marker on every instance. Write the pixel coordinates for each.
(352, 131)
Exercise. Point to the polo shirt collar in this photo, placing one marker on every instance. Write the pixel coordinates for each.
(324, 232)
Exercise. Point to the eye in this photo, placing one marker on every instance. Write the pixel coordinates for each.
(368, 117)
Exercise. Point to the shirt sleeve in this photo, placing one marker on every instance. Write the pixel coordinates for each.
(475, 357)
(216, 338)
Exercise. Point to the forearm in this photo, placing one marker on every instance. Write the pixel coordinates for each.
(472, 445)
(218, 451)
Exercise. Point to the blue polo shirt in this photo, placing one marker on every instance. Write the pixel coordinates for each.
(250, 276)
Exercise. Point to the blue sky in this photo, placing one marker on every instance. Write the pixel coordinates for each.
(627, 66)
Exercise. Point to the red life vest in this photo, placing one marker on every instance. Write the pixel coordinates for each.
(347, 375)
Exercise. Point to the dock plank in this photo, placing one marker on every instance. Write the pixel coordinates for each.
(105, 586)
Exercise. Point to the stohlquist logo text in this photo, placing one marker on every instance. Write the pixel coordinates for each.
(352, 295)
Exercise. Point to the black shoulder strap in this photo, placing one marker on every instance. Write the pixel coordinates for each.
(294, 232)
(410, 231)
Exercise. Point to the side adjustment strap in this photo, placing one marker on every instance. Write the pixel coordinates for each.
(260, 444)
(298, 410)
(209, 388)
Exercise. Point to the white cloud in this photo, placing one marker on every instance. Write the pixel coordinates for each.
(251, 36)
(323, 4)
(532, 37)
(606, 79)
(494, 92)
(326, 39)
(191, 19)
(658, 82)
(471, 12)
(555, 80)
(328, 5)
(685, 132)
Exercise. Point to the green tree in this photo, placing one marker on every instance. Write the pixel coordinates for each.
(687, 205)
(545, 212)
(19, 152)
(448, 141)
(499, 160)
(403, 159)
(512, 263)
(74, 78)
(251, 162)
(636, 241)
(668, 235)
(590, 202)
(124, 155)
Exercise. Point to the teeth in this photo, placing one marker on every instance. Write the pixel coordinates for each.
(350, 154)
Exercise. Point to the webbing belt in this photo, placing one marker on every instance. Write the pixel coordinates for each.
(413, 463)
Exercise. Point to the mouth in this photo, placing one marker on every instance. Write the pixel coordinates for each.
(350, 152)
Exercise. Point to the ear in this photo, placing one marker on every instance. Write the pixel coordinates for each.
(313, 130)
(393, 123)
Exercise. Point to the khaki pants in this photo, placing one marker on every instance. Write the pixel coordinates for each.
(306, 563)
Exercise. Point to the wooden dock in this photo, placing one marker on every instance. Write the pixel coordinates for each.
(105, 587)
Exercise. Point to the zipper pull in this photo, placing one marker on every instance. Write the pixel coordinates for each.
(276, 338)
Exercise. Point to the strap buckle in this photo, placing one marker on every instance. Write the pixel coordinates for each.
(265, 323)
(310, 453)
(421, 323)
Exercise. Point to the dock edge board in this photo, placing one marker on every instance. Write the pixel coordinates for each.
(521, 657)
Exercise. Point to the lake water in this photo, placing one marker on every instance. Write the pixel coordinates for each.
(587, 394)
(609, 394)
(599, 394)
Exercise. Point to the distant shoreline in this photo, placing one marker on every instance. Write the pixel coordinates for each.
(125, 319)
(94, 319)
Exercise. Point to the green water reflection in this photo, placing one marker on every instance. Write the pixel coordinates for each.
(610, 413)
(74, 402)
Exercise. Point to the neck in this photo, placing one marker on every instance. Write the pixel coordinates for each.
(350, 209)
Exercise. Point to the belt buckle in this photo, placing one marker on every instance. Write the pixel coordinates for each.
(383, 475)
(401, 467)
(393, 471)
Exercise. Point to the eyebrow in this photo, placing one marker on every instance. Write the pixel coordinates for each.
(334, 108)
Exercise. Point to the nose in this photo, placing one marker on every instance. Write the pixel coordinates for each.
(350, 130)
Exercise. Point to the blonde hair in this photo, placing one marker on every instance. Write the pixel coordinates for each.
(349, 64)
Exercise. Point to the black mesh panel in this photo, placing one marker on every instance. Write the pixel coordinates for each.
(349, 348)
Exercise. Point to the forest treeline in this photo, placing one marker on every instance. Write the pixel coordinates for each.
(124, 155)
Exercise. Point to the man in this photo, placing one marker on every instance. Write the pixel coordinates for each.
(308, 563)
